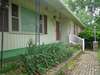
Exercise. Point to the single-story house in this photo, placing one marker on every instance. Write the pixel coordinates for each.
(44, 22)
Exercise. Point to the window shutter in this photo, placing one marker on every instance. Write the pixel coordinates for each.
(57, 31)
(45, 24)
(40, 27)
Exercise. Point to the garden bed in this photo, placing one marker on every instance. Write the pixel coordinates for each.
(39, 59)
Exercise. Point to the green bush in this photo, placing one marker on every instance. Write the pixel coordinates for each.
(40, 58)
(61, 72)
(88, 35)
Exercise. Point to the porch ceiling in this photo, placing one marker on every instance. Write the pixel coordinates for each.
(25, 3)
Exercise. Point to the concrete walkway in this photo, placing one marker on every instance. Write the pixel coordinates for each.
(87, 64)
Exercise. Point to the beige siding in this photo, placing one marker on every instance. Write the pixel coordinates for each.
(51, 36)
(66, 29)
(20, 40)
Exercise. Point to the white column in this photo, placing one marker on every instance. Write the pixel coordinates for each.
(83, 45)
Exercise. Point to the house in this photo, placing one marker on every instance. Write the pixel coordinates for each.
(43, 22)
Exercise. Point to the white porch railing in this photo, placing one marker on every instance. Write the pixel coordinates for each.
(74, 39)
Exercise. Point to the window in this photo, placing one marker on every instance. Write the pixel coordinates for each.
(4, 20)
(43, 24)
(15, 18)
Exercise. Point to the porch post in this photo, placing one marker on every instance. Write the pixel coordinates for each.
(37, 19)
(83, 45)
(3, 5)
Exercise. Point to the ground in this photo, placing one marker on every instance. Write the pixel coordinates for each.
(87, 64)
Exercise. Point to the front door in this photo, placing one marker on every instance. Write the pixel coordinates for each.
(57, 31)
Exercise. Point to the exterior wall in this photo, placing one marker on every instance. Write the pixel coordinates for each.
(13, 41)
(66, 29)
(79, 29)
(20, 40)
(50, 37)
(71, 27)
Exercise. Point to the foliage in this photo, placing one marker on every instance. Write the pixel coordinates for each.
(98, 54)
(88, 35)
(84, 17)
(61, 72)
(71, 65)
(40, 58)
(8, 67)
(84, 9)
(67, 68)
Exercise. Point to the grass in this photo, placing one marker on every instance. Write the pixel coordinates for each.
(71, 65)
(98, 55)
(13, 68)
(67, 68)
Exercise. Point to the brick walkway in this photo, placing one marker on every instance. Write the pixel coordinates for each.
(87, 65)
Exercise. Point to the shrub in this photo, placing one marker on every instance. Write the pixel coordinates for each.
(8, 67)
(88, 35)
(40, 58)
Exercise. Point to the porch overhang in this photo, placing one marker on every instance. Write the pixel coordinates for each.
(59, 5)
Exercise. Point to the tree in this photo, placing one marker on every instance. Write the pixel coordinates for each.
(86, 10)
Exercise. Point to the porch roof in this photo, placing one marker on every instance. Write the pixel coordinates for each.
(60, 6)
